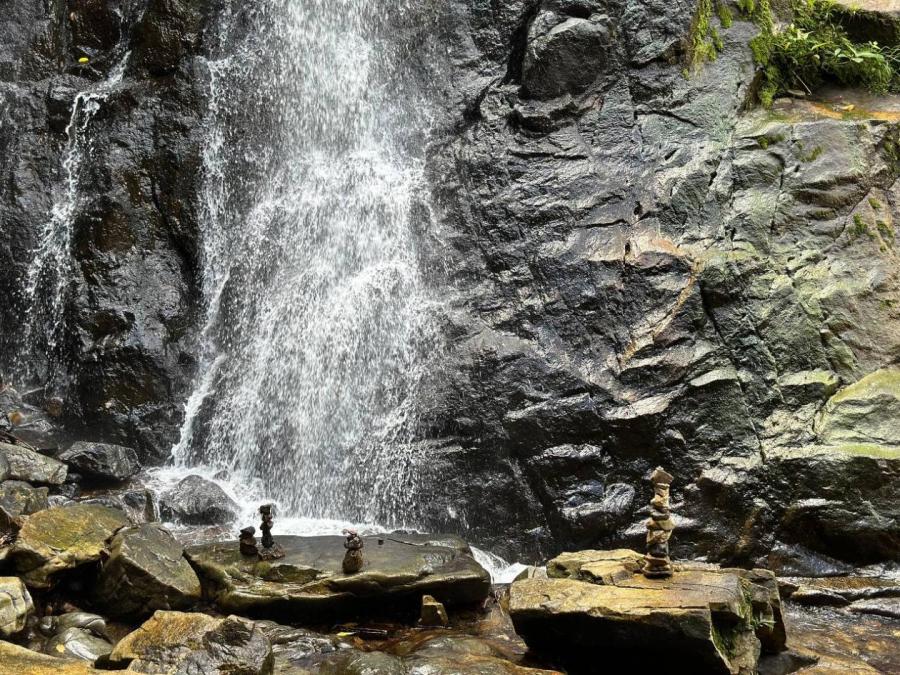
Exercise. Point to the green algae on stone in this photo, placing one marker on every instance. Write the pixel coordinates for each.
(62, 538)
(865, 412)
(146, 571)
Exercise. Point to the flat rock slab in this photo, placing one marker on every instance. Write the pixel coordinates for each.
(702, 619)
(308, 581)
(62, 538)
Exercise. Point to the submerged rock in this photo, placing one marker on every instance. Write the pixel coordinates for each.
(27, 465)
(145, 571)
(176, 642)
(62, 538)
(15, 606)
(308, 582)
(702, 619)
(102, 462)
(197, 501)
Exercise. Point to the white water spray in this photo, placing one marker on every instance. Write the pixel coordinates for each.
(317, 324)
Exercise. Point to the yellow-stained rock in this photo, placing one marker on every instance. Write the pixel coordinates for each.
(194, 642)
(706, 618)
(62, 538)
(21, 661)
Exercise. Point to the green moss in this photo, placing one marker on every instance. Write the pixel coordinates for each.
(704, 40)
(814, 49)
(725, 16)
(886, 231)
(874, 203)
(813, 155)
(769, 139)
(860, 227)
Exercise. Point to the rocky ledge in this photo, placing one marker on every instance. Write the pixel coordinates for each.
(308, 582)
(702, 619)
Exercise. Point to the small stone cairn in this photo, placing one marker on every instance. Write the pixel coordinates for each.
(353, 558)
(269, 549)
(657, 564)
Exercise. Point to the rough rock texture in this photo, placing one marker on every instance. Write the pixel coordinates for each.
(15, 606)
(308, 581)
(645, 269)
(636, 266)
(101, 462)
(121, 358)
(20, 660)
(27, 465)
(18, 499)
(77, 643)
(62, 538)
(197, 501)
(177, 642)
(145, 571)
(702, 619)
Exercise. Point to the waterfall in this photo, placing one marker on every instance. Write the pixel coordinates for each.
(317, 326)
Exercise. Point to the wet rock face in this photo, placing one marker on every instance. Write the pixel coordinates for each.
(183, 642)
(308, 583)
(101, 462)
(145, 571)
(647, 271)
(124, 366)
(196, 501)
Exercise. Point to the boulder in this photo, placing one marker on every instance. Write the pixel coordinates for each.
(197, 501)
(28, 465)
(77, 643)
(18, 499)
(62, 538)
(564, 55)
(15, 606)
(17, 659)
(145, 571)
(93, 623)
(703, 618)
(179, 642)
(308, 581)
(102, 462)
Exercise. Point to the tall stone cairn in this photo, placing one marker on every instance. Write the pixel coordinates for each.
(657, 564)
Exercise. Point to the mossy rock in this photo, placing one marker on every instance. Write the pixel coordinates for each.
(15, 659)
(866, 412)
(180, 642)
(63, 538)
(702, 618)
(146, 571)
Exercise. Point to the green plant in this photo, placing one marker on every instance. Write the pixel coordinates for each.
(705, 42)
(813, 49)
(874, 203)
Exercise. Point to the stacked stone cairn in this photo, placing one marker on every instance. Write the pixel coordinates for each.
(657, 564)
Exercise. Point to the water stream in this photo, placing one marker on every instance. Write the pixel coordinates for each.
(317, 325)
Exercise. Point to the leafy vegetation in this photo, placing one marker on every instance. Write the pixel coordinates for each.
(814, 49)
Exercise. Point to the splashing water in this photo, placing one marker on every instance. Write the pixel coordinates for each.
(317, 322)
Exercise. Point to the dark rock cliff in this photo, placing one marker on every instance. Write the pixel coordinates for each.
(649, 269)
(641, 267)
(122, 359)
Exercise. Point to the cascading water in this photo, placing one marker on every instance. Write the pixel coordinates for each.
(317, 317)
(49, 274)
